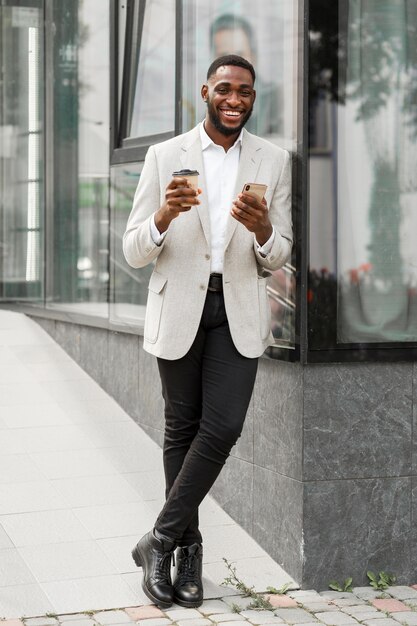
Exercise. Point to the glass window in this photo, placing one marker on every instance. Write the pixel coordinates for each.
(129, 286)
(363, 193)
(153, 91)
(79, 220)
(269, 40)
(21, 151)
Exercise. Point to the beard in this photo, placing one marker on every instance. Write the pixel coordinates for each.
(225, 130)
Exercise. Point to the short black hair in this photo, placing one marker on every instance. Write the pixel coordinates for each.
(231, 59)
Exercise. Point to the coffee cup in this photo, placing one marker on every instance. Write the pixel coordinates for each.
(191, 176)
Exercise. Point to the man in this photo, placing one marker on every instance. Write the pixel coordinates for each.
(208, 316)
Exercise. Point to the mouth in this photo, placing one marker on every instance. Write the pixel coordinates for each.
(231, 114)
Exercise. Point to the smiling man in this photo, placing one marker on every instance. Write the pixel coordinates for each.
(208, 316)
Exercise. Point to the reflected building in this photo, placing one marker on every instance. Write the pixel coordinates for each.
(325, 470)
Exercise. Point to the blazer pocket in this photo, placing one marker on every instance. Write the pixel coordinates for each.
(264, 309)
(156, 293)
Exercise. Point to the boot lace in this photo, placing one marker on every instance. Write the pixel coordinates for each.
(163, 567)
(187, 569)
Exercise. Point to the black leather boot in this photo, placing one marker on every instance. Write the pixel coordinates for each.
(153, 553)
(188, 586)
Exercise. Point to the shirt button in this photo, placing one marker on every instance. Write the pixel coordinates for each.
(202, 287)
(207, 257)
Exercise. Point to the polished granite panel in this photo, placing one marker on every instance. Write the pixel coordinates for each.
(357, 420)
(94, 353)
(233, 490)
(123, 357)
(278, 404)
(151, 404)
(278, 519)
(413, 548)
(352, 526)
(243, 449)
(68, 336)
(46, 324)
(414, 442)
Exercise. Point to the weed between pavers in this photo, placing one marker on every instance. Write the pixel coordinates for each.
(259, 601)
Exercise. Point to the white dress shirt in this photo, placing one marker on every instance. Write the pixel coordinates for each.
(220, 169)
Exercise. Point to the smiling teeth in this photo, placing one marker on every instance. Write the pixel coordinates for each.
(232, 113)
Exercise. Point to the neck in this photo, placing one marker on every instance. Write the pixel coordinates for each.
(226, 141)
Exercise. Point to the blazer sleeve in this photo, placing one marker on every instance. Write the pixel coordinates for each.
(281, 219)
(138, 246)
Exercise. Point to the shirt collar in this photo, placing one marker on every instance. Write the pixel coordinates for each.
(206, 141)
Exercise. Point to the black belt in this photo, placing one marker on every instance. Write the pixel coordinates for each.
(215, 283)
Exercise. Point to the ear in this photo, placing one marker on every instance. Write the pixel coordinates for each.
(204, 92)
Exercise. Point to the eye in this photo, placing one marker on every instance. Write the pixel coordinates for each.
(222, 90)
(245, 94)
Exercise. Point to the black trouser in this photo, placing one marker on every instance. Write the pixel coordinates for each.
(207, 394)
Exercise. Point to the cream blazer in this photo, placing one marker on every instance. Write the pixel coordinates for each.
(178, 285)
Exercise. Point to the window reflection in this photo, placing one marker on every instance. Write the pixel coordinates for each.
(129, 287)
(154, 91)
(81, 157)
(21, 151)
(364, 192)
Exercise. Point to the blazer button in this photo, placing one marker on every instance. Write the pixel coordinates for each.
(202, 287)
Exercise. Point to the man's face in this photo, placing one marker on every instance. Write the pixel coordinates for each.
(229, 95)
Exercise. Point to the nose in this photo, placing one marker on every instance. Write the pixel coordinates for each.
(233, 98)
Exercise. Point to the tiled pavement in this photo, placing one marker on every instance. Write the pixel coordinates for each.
(80, 482)
(328, 608)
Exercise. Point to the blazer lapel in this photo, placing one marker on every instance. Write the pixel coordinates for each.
(192, 158)
(249, 161)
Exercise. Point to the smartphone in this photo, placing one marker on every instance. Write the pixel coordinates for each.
(257, 189)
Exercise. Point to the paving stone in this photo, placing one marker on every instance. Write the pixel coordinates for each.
(176, 614)
(335, 619)
(162, 621)
(241, 622)
(335, 595)
(72, 617)
(81, 621)
(41, 621)
(352, 601)
(413, 586)
(318, 607)
(11, 622)
(391, 605)
(294, 616)
(143, 612)
(409, 618)
(359, 608)
(261, 617)
(210, 607)
(369, 615)
(202, 621)
(303, 593)
(385, 621)
(223, 617)
(240, 601)
(402, 592)
(111, 618)
(366, 593)
(281, 601)
(411, 603)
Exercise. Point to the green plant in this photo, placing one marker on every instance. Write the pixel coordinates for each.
(55, 615)
(259, 601)
(235, 608)
(381, 581)
(281, 591)
(346, 586)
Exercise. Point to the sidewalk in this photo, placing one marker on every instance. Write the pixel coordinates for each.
(80, 483)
